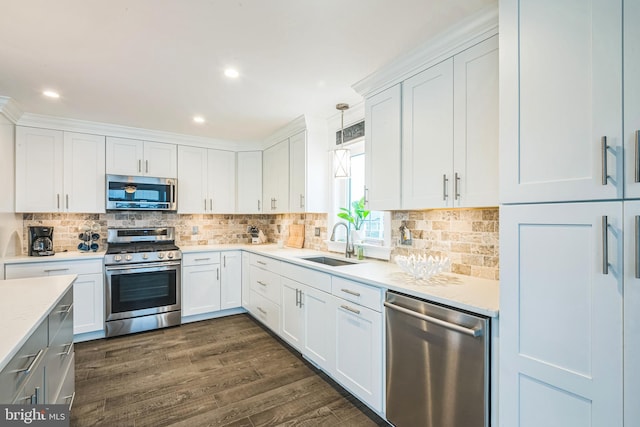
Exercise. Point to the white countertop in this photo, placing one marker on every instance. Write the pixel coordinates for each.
(473, 294)
(24, 304)
(58, 256)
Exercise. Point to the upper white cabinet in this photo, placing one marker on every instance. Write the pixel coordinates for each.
(450, 132)
(146, 158)
(59, 171)
(561, 100)
(297, 170)
(249, 179)
(275, 173)
(383, 147)
(631, 139)
(206, 180)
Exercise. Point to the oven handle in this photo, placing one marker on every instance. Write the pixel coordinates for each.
(141, 266)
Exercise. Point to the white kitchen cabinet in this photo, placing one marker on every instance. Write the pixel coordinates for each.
(246, 280)
(206, 180)
(297, 171)
(275, 170)
(141, 158)
(266, 291)
(309, 168)
(200, 283)
(561, 311)
(249, 178)
(292, 313)
(560, 97)
(88, 289)
(631, 138)
(231, 280)
(450, 132)
(631, 312)
(383, 149)
(358, 362)
(59, 171)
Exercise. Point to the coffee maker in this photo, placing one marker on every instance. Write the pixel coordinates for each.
(40, 241)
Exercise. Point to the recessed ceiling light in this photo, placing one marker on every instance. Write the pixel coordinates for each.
(231, 73)
(51, 94)
(198, 119)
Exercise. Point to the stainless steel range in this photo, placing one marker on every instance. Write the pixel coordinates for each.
(142, 268)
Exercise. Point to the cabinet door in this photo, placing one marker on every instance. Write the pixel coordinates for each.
(475, 132)
(84, 173)
(249, 179)
(631, 313)
(39, 170)
(88, 303)
(561, 315)
(292, 313)
(560, 95)
(231, 280)
(276, 177)
(359, 351)
(427, 138)
(246, 280)
(200, 289)
(382, 145)
(221, 181)
(192, 179)
(319, 328)
(160, 159)
(298, 172)
(124, 156)
(632, 99)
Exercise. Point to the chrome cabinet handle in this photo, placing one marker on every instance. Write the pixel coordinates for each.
(297, 298)
(67, 197)
(350, 292)
(261, 262)
(605, 245)
(301, 201)
(71, 398)
(353, 310)
(467, 331)
(139, 165)
(261, 283)
(55, 269)
(445, 183)
(637, 247)
(224, 261)
(65, 310)
(605, 174)
(218, 273)
(67, 351)
(211, 205)
(146, 166)
(366, 196)
(58, 199)
(637, 174)
(205, 205)
(261, 310)
(456, 186)
(258, 205)
(275, 203)
(202, 259)
(34, 362)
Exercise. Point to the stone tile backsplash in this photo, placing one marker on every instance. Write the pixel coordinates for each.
(469, 237)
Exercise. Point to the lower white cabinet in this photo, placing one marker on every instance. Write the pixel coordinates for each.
(231, 280)
(246, 279)
(292, 313)
(319, 336)
(200, 283)
(88, 289)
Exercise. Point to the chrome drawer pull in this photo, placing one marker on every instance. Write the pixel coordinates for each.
(66, 310)
(261, 283)
(33, 363)
(467, 331)
(261, 262)
(72, 398)
(67, 351)
(347, 291)
(604, 146)
(202, 259)
(261, 311)
(353, 310)
(56, 269)
(445, 183)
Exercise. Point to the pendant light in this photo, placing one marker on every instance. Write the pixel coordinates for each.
(342, 156)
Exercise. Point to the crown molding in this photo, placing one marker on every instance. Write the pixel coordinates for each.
(10, 109)
(295, 126)
(107, 129)
(466, 33)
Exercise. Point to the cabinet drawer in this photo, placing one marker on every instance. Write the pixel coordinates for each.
(368, 296)
(265, 263)
(265, 311)
(307, 276)
(67, 393)
(39, 269)
(265, 283)
(62, 313)
(10, 379)
(60, 352)
(200, 258)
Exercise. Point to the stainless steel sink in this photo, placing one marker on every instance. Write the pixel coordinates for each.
(334, 262)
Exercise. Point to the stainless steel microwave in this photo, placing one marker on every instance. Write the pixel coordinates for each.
(140, 193)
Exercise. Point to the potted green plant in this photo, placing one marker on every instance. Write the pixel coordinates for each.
(356, 215)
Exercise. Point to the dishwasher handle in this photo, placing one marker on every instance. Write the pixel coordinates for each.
(467, 331)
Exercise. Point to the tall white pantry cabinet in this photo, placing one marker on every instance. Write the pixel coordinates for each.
(569, 224)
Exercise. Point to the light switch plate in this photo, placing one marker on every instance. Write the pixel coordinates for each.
(317, 232)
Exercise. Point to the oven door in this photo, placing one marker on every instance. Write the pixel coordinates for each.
(142, 289)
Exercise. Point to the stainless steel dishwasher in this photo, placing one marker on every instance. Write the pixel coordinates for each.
(437, 365)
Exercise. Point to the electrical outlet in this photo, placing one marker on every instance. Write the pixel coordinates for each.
(317, 232)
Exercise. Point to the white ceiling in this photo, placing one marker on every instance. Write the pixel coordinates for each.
(156, 63)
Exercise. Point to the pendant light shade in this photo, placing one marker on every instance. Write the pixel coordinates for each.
(342, 156)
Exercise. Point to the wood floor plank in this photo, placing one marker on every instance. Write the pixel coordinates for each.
(221, 372)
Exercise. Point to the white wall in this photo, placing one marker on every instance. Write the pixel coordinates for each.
(10, 222)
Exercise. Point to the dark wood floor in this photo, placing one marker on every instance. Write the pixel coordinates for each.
(221, 372)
